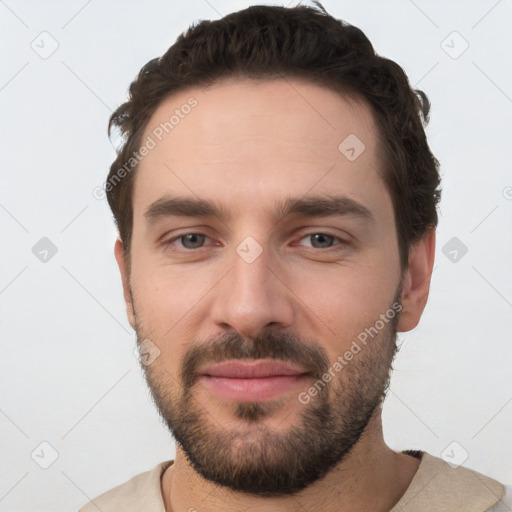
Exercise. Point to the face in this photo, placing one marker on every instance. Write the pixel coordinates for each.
(291, 257)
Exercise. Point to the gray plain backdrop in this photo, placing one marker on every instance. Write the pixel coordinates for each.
(76, 417)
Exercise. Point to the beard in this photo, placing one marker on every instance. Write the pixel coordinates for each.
(259, 460)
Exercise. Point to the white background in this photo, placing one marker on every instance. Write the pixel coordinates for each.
(67, 370)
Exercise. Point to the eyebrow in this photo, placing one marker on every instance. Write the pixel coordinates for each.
(311, 206)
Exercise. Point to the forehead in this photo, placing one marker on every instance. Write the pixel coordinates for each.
(260, 139)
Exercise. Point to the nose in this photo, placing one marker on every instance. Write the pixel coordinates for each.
(252, 296)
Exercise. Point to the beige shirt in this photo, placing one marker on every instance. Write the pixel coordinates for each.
(436, 487)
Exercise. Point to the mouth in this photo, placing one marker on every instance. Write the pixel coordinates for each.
(252, 380)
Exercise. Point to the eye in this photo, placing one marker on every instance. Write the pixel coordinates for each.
(193, 240)
(189, 240)
(322, 240)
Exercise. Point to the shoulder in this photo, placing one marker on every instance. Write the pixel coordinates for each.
(505, 504)
(440, 486)
(141, 492)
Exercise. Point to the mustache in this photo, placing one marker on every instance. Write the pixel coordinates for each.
(268, 345)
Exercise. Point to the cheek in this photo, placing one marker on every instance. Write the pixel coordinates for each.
(345, 299)
(164, 292)
(169, 301)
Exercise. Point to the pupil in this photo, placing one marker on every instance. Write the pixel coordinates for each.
(322, 236)
(191, 238)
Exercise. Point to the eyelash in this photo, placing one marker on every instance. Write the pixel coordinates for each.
(183, 235)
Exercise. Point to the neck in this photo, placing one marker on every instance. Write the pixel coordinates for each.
(372, 478)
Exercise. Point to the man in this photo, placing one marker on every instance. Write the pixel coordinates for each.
(276, 204)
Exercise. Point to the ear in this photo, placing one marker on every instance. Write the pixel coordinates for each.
(125, 278)
(416, 281)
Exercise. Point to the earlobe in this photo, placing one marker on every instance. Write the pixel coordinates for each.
(125, 278)
(416, 281)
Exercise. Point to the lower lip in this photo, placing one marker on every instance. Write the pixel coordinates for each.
(251, 390)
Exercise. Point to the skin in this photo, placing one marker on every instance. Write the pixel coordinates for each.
(246, 145)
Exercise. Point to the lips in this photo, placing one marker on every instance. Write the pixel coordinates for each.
(251, 369)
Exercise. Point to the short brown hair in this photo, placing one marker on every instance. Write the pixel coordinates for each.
(303, 42)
